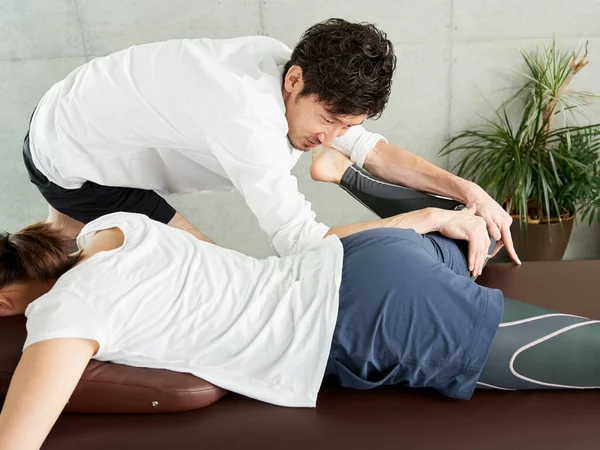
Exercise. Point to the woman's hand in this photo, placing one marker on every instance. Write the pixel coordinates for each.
(467, 226)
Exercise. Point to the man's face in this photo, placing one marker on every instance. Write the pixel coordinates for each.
(309, 122)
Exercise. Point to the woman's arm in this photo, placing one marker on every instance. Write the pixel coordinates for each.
(40, 388)
(422, 221)
(463, 225)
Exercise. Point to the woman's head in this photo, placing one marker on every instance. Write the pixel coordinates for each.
(31, 260)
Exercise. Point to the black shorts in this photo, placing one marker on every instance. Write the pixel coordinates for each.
(92, 200)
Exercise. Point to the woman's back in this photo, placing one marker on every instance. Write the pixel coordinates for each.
(167, 300)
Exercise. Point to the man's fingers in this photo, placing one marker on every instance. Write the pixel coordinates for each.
(481, 260)
(493, 230)
(477, 255)
(484, 252)
(497, 248)
(472, 255)
(485, 245)
(508, 243)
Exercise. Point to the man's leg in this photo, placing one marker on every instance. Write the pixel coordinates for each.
(96, 200)
(90, 201)
(80, 206)
(103, 200)
(71, 227)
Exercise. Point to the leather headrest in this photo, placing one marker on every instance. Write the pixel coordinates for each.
(114, 388)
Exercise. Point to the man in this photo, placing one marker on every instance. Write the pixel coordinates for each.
(192, 115)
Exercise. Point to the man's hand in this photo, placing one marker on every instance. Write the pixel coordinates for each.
(498, 222)
(399, 166)
(466, 226)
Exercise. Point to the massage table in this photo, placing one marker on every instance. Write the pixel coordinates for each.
(388, 417)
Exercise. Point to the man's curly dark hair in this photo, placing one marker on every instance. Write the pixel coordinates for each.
(347, 66)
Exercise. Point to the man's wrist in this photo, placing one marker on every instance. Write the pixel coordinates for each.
(469, 192)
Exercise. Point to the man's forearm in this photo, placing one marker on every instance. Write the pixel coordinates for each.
(422, 221)
(398, 166)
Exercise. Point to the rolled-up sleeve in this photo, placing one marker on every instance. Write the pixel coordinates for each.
(356, 143)
(257, 163)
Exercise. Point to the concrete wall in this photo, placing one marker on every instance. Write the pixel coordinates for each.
(450, 53)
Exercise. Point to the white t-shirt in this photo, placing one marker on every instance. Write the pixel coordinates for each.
(164, 299)
(181, 116)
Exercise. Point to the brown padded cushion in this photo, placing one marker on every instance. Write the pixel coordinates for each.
(114, 388)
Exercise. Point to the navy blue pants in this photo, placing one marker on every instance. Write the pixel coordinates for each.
(409, 315)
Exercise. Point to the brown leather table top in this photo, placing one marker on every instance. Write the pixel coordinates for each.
(394, 418)
(390, 418)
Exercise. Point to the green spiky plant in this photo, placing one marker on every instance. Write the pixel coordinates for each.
(538, 172)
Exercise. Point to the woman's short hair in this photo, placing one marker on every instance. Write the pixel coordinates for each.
(38, 252)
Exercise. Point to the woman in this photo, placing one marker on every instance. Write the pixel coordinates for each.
(384, 306)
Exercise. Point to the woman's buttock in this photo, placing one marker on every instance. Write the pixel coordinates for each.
(409, 315)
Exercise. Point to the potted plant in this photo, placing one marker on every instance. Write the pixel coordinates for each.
(543, 174)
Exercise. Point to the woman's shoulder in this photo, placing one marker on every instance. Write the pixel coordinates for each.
(130, 224)
(63, 313)
(62, 295)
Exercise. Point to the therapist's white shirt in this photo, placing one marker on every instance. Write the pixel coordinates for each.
(185, 116)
